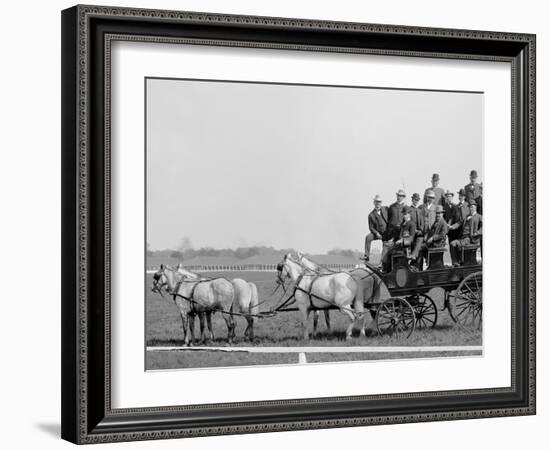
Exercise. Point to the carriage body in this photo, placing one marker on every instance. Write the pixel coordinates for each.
(411, 306)
(403, 279)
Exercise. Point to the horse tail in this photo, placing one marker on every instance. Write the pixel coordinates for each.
(254, 307)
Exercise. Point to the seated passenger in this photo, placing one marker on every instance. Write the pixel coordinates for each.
(471, 233)
(426, 214)
(437, 233)
(407, 233)
(378, 221)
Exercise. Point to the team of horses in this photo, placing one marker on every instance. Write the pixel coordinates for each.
(315, 288)
(198, 296)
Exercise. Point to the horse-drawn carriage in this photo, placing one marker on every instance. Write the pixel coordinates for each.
(398, 300)
(411, 306)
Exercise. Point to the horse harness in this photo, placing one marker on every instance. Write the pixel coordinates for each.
(191, 297)
(311, 295)
(308, 292)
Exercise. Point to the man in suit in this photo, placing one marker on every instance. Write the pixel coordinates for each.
(415, 211)
(438, 192)
(427, 211)
(417, 217)
(450, 213)
(378, 224)
(438, 231)
(470, 235)
(407, 230)
(395, 215)
(407, 233)
(473, 190)
(462, 212)
(437, 234)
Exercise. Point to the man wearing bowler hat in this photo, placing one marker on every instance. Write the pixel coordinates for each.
(437, 233)
(473, 191)
(406, 238)
(378, 224)
(438, 192)
(462, 212)
(471, 233)
(449, 210)
(416, 213)
(417, 217)
(427, 211)
(395, 215)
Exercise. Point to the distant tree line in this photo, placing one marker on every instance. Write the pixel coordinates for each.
(238, 253)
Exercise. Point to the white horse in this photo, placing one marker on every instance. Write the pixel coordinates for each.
(315, 268)
(194, 294)
(200, 294)
(245, 304)
(245, 301)
(370, 287)
(322, 291)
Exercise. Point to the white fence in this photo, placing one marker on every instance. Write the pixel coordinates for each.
(248, 267)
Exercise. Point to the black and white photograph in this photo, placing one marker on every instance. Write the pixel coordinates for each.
(305, 224)
(281, 219)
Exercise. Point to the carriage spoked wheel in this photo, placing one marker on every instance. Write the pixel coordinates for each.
(466, 305)
(395, 317)
(425, 310)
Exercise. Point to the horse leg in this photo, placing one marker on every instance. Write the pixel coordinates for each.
(315, 321)
(230, 327)
(209, 324)
(363, 322)
(327, 319)
(304, 309)
(249, 333)
(191, 319)
(347, 311)
(185, 323)
(203, 331)
(360, 316)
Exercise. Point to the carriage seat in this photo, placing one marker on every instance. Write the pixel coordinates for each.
(399, 258)
(469, 255)
(435, 257)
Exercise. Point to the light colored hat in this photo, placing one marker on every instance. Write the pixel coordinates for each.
(430, 193)
(401, 192)
(472, 202)
(439, 209)
(447, 192)
(377, 198)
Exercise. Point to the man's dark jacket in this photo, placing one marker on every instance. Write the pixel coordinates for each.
(378, 223)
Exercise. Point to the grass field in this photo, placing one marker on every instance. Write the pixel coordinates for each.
(284, 329)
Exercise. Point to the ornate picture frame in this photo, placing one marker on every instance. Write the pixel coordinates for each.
(87, 35)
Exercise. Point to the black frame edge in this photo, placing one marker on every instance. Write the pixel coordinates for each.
(86, 417)
(69, 288)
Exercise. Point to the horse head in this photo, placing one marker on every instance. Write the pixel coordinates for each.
(162, 280)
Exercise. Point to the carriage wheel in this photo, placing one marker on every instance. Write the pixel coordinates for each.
(465, 306)
(425, 310)
(395, 317)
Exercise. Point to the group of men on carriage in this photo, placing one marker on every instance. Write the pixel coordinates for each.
(419, 227)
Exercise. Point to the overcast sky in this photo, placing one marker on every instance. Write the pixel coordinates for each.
(240, 164)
